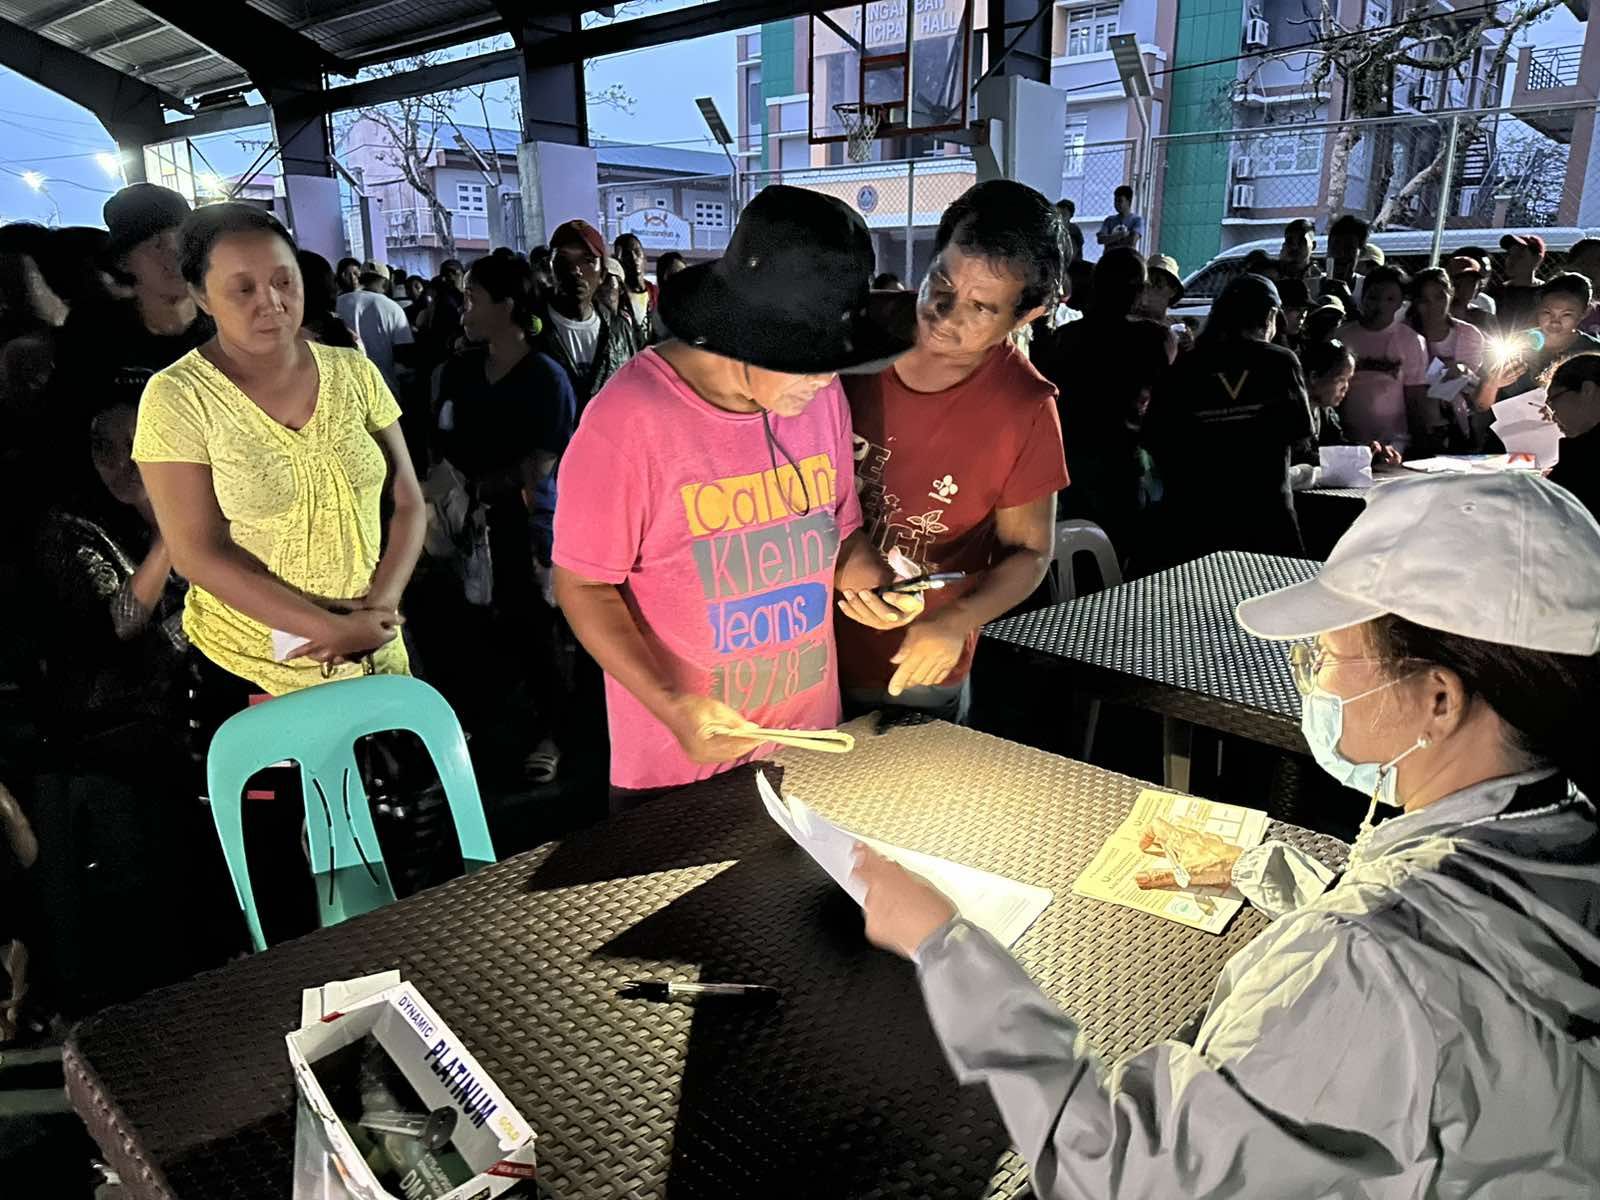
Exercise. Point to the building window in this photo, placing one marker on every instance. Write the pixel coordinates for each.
(1088, 29)
(794, 153)
(1288, 154)
(755, 105)
(619, 205)
(710, 214)
(471, 199)
(1076, 135)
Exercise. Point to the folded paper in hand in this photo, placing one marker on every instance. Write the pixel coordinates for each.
(1523, 428)
(1345, 467)
(1000, 906)
(284, 644)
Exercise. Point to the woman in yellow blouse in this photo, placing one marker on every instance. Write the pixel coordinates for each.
(265, 458)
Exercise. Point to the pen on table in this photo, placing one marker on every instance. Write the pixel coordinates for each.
(666, 989)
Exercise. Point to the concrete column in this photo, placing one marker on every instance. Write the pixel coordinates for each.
(555, 168)
(305, 153)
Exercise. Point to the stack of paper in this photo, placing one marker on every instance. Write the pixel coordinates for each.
(1523, 427)
(1110, 876)
(1345, 467)
(1001, 906)
(1472, 464)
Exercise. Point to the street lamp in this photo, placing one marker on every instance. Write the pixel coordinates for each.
(723, 137)
(1136, 84)
(36, 181)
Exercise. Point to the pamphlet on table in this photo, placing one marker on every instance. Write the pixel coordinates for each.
(1523, 427)
(1003, 907)
(1111, 876)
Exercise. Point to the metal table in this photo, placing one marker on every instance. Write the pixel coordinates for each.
(1169, 643)
(841, 1086)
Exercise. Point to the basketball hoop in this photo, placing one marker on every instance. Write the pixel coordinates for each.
(861, 120)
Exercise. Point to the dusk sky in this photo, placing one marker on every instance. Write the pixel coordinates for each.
(42, 132)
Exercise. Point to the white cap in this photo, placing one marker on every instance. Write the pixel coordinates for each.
(611, 266)
(1508, 558)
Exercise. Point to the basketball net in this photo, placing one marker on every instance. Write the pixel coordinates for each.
(860, 123)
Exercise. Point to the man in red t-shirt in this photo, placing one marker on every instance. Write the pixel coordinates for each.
(958, 453)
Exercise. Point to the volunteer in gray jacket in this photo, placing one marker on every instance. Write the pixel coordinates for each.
(1426, 1026)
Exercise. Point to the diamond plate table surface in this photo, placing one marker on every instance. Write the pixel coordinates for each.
(1169, 643)
(839, 1091)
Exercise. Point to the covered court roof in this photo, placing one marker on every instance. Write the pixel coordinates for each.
(187, 49)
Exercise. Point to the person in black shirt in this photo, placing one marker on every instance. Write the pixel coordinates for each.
(1220, 429)
(1574, 400)
(1103, 367)
(512, 412)
(321, 323)
(1517, 299)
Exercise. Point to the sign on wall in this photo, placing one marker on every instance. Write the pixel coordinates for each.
(658, 229)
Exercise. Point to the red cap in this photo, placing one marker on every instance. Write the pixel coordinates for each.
(1531, 240)
(579, 231)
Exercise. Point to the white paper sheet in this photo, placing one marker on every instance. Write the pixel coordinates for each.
(1345, 467)
(1522, 427)
(284, 644)
(1002, 907)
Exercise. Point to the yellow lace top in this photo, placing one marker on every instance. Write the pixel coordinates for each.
(302, 501)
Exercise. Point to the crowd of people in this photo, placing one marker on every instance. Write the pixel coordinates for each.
(776, 489)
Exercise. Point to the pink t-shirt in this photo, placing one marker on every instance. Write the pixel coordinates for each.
(1463, 346)
(1387, 362)
(677, 503)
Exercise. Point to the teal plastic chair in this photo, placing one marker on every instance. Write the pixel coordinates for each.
(317, 728)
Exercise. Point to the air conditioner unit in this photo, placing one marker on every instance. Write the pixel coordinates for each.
(1257, 32)
(1244, 195)
(1244, 167)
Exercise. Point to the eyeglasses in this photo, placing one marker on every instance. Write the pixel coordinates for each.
(1306, 660)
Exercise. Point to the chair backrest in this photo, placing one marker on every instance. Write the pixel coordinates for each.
(317, 728)
(1083, 537)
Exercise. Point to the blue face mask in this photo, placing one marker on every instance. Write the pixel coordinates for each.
(1322, 722)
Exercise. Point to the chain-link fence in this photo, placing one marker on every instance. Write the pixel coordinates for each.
(1450, 179)
(1091, 173)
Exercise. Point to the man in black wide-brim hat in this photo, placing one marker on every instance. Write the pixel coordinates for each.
(707, 507)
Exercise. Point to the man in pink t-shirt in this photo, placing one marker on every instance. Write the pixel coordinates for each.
(1391, 365)
(706, 509)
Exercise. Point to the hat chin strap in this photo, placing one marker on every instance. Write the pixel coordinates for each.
(774, 448)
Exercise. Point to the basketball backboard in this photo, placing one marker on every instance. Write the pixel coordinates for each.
(912, 58)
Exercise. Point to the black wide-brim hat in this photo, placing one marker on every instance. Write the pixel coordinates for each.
(793, 292)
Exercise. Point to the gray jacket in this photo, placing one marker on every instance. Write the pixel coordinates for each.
(1426, 1028)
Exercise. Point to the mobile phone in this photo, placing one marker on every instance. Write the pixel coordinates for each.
(922, 583)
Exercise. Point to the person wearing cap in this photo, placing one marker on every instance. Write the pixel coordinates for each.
(1526, 357)
(1466, 284)
(1294, 300)
(1517, 299)
(706, 513)
(1424, 1027)
(1321, 323)
(109, 348)
(609, 300)
(590, 345)
(379, 322)
(1297, 257)
(1163, 287)
(958, 453)
(1391, 365)
(1219, 430)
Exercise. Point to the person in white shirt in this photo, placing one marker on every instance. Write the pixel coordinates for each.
(379, 322)
(590, 344)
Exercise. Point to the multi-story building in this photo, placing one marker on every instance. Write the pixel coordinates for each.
(1256, 141)
(473, 172)
(777, 111)
(1555, 94)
